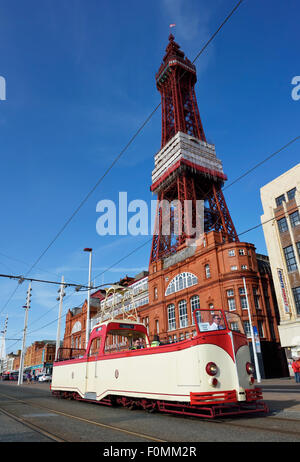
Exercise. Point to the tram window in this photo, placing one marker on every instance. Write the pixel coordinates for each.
(119, 341)
(234, 322)
(95, 346)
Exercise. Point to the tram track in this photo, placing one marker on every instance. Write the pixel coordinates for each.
(70, 416)
(263, 426)
(36, 428)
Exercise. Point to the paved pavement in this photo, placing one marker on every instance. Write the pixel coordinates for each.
(282, 396)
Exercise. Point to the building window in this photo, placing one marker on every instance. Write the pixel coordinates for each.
(298, 247)
(256, 298)
(171, 317)
(147, 323)
(241, 252)
(195, 304)
(155, 293)
(243, 299)
(231, 304)
(207, 271)
(181, 281)
(290, 258)
(282, 225)
(291, 194)
(230, 293)
(183, 316)
(296, 293)
(280, 199)
(244, 267)
(211, 306)
(231, 253)
(295, 218)
(234, 268)
(234, 326)
(272, 331)
(157, 326)
(247, 328)
(260, 326)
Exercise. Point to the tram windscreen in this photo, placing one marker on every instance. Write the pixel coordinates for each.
(234, 322)
(213, 320)
(209, 320)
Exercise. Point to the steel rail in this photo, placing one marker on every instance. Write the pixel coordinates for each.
(99, 424)
(36, 428)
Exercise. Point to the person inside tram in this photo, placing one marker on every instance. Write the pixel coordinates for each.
(217, 322)
(138, 344)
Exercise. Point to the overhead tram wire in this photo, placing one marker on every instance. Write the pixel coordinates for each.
(118, 157)
(262, 162)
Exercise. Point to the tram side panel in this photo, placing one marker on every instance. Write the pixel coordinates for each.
(69, 376)
(165, 376)
(162, 375)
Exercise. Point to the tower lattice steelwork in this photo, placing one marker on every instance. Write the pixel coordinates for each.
(186, 167)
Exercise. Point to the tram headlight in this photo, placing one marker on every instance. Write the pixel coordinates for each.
(211, 368)
(249, 368)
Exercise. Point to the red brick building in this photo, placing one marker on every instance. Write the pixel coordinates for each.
(39, 356)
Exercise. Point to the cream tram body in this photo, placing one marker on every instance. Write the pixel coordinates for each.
(213, 367)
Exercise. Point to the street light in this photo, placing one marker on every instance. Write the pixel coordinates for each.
(87, 331)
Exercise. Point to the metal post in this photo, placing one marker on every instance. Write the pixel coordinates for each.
(27, 306)
(87, 332)
(60, 298)
(3, 352)
(258, 377)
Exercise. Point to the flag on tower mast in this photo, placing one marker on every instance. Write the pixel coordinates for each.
(172, 25)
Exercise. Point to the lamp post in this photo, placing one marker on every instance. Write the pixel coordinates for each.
(87, 331)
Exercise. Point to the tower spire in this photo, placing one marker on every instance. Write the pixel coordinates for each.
(175, 81)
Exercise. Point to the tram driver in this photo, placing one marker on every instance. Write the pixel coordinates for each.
(217, 322)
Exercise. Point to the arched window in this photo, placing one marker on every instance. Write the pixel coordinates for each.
(183, 316)
(181, 281)
(195, 304)
(76, 327)
(171, 317)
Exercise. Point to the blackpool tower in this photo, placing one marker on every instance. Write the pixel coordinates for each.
(186, 167)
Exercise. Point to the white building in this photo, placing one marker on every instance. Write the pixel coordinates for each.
(281, 225)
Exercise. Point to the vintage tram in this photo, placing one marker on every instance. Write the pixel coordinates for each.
(207, 375)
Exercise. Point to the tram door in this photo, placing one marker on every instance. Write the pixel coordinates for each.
(92, 369)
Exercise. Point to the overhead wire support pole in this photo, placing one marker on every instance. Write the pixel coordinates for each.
(258, 377)
(87, 334)
(27, 306)
(60, 298)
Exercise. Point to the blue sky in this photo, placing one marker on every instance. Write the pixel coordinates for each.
(80, 79)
